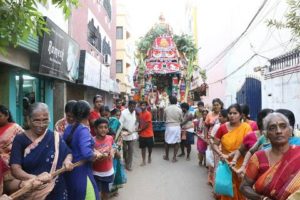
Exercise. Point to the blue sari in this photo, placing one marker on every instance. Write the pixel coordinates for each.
(81, 184)
(40, 159)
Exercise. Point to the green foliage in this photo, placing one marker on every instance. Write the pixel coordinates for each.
(184, 43)
(20, 18)
(292, 19)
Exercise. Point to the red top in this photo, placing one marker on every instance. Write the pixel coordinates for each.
(221, 131)
(93, 116)
(103, 146)
(144, 118)
(250, 139)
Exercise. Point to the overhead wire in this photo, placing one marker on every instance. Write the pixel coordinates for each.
(236, 70)
(218, 58)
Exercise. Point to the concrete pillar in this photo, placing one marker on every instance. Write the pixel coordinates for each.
(59, 100)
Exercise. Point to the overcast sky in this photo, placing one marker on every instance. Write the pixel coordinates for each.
(144, 13)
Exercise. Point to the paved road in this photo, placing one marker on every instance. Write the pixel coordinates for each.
(164, 180)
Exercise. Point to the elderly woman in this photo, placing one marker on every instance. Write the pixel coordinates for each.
(81, 184)
(38, 152)
(274, 173)
(230, 136)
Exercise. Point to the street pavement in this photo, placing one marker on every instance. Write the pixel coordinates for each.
(164, 180)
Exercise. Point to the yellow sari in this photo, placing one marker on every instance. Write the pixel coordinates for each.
(232, 141)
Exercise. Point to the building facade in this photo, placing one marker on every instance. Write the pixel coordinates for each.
(124, 51)
(74, 61)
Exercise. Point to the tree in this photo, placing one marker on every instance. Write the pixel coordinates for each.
(20, 18)
(292, 19)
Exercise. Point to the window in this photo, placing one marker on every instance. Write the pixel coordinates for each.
(119, 66)
(119, 32)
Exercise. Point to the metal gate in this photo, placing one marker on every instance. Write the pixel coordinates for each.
(250, 94)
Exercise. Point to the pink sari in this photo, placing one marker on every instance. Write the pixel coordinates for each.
(7, 135)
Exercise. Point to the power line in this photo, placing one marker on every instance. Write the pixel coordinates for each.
(236, 70)
(233, 43)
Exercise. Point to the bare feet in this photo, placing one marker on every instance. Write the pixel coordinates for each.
(174, 160)
(165, 157)
(143, 164)
(129, 168)
(188, 158)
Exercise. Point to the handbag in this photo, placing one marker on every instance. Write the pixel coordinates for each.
(223, 181)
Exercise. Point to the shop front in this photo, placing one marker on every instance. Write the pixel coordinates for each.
(89, 76)
(20, 88)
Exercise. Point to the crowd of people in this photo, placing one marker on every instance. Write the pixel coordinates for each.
(263, 155)
(82, 159)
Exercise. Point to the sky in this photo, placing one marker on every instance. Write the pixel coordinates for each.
(144, 13)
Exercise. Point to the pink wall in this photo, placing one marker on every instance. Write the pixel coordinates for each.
(78, 27)
(216, 90)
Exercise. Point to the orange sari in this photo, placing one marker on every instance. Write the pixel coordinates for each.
(7, 135)
(232, 141)
(279, 181)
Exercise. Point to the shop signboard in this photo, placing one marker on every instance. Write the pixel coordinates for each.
(89, 70)
(105, 77)
(59, 54)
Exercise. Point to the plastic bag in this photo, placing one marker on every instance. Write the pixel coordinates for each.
(209, 157)
(120, 174)
(223, 181)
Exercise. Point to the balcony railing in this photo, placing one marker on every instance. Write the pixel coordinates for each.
(285, 61)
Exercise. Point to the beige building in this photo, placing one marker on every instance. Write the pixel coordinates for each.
(124, 51)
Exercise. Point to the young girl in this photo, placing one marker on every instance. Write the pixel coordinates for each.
(103, 169)
(202, 138)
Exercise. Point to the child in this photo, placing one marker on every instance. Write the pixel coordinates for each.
(103, 169)
(202, 138)
(105, 112)
(114, 123)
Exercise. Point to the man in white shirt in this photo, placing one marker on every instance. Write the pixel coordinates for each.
(174, 118)
(129, 122)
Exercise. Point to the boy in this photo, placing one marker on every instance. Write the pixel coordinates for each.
(103, 169)
(145, 132)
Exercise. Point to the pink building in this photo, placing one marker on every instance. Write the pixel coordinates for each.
(93, 26)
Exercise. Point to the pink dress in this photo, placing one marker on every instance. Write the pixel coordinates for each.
(201, 143)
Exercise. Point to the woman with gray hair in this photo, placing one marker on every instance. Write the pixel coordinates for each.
(38, 152)
(274, 173)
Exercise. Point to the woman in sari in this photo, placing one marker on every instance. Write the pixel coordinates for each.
(274, 174)
(230, 136)
(246, 117)
(210, 120)
(250, 139)
(80, 182)
(62, 124)
(8, 130)
(38, 152)
(116, 127)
